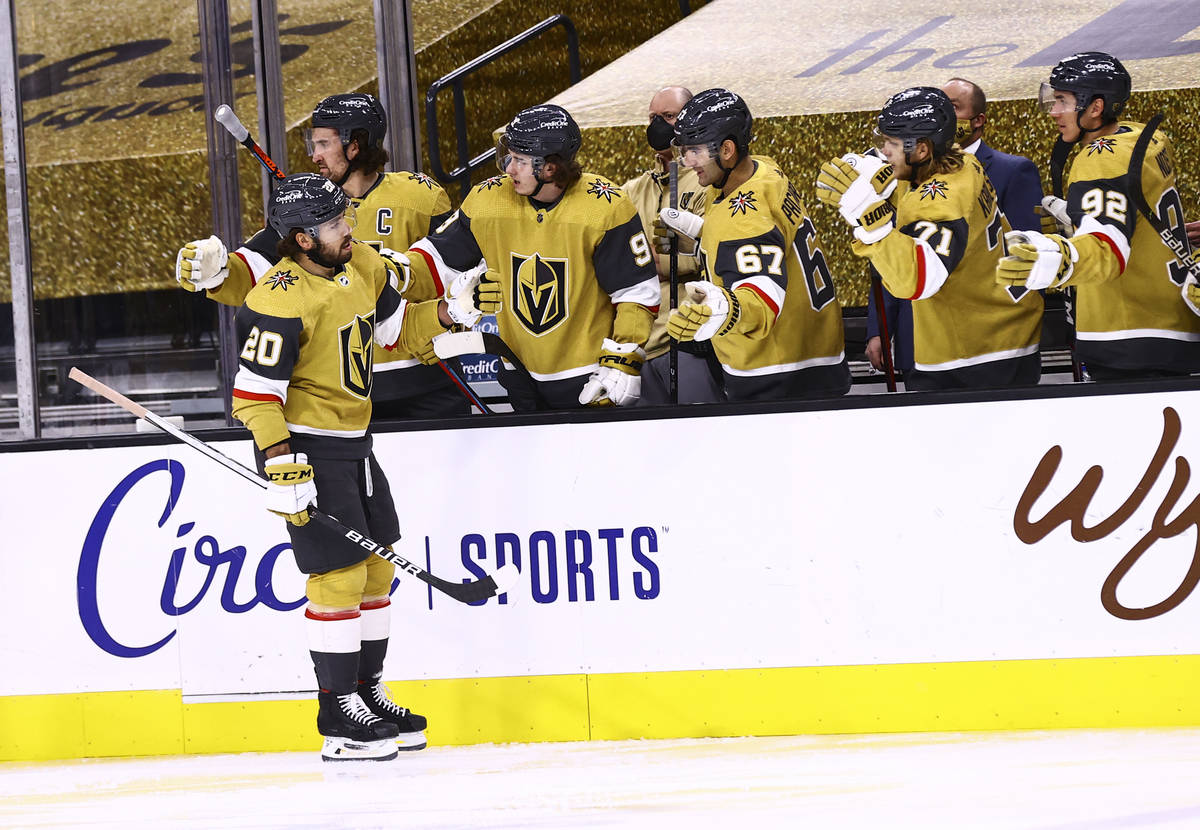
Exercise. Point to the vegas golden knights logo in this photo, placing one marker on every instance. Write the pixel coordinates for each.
(358, 354)
(539, 291)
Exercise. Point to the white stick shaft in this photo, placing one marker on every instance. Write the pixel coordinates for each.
(166, 426)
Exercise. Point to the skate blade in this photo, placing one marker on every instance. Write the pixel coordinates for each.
(410, 741)
(344, 749)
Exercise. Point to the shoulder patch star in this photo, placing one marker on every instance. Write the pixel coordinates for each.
(422, 178)
(1101, 145)
(934, 188)
(488, 184)
(283, 279)
(742, 202)
(603, 190)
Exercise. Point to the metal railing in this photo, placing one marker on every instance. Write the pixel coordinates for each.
(454, 80)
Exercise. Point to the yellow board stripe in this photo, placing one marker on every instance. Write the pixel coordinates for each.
(911, 697)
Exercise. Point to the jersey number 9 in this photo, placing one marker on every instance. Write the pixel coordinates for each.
(640, 248)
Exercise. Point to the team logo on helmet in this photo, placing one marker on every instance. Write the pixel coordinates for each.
(603, 190)
(539, 289)
(1102, 145)
(283, 279)
(358, 354)
(933, 189)
(742, 202)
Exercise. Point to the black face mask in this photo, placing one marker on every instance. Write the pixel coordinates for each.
(660, 134)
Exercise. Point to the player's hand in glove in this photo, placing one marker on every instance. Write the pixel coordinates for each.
(399, 268)
(672, 223)
(202, 264)
(709, 311)
(1054, 217)
(619, 378)
(1191, 294)
(1036, 260)
(462, 296)
(488, 297)
(291, 488)
(858, 187)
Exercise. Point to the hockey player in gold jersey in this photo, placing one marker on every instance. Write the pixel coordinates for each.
(303, 388)
(767, 301)
(570, 271)
(928, 221)
(394, 210)
(1132, 317)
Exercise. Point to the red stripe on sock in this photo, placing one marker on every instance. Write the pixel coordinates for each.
(375, 604)
(330, 616)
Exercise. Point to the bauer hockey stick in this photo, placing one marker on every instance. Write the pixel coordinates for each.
(1058, 162)
(1177, 244)
(227, 118)
(467, 592)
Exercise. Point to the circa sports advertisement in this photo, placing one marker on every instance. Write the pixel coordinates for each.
(1024, 530)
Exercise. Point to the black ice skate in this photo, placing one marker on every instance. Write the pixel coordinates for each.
(351, 731)
(410, 724)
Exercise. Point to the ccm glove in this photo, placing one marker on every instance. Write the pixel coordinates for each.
(399, 268)
(619, 378)
(709, 311)
(1036, 260)
(291, 488)
(1191, 294)
(462, 295)
(488, 296)
(858, 187)
(683, 225)
(1054, 217)
(202, 264)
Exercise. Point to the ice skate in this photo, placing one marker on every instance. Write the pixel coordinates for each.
(352, 732)
(411, 725)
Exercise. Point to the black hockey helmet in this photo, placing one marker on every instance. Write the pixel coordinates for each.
(916, 113)
(352, 111)
(305, 200)
(1090, 75)
(544, 130)
(713, 116)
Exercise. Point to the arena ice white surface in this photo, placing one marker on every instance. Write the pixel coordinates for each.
(1065, 780)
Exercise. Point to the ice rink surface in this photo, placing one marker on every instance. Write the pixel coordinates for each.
(1062, 780)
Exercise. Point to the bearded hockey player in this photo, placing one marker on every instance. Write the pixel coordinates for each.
(767, 301)
(303, 388)
(1130, 318)
(570, 272)
(928, 220)
(394, 210)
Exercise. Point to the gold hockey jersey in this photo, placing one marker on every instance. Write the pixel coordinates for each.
(943, 255)
(650, 193)
(1129, 312)
(759, 242)
(563, 267)
(307, 352)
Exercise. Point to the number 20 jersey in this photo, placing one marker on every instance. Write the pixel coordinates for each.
(1129, 311)
(759, 237)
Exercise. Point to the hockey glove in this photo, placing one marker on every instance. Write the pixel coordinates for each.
(461, 297)
(399, 268)
(291, 488)
(709, 311)
(1054, 217)
(858, 187)
(202, 264)
(619, 379)
(488, 297)
(672, 223)
(1191, 294)
(1036, 260)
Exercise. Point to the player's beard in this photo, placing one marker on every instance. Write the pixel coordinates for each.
(331, 255)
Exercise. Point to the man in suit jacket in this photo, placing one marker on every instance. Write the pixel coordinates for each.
(1018, 190)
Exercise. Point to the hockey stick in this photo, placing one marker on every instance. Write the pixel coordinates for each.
(885, 339)
(456, 344)
(468, 592)
(1178, 247)
(673, 365)
(227, 118)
